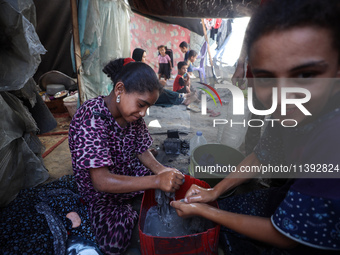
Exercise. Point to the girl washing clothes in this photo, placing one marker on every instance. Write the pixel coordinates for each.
(291, 43)
(109, 144)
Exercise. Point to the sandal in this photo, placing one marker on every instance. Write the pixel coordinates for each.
(214, 114)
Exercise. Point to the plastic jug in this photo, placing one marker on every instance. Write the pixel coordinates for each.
(196, 141)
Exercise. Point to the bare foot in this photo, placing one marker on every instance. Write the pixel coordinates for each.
(74, 217)
(186, 101)
(191, 99)
(214, 114)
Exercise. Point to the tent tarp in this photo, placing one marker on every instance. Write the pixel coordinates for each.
(188, 13)
(195, 8)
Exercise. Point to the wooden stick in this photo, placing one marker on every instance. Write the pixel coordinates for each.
(208, 47)
(76, 44)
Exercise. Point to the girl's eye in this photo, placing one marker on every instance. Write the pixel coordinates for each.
(140, 105)
(264, 81)
(306, 75)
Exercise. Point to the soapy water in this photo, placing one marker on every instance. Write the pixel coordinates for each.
(162, 220)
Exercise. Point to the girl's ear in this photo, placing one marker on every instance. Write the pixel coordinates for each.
(119, 88)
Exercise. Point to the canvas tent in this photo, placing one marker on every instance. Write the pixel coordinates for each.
(54, 25)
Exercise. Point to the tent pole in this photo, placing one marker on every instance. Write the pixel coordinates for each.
(76, 44)
(208, 47)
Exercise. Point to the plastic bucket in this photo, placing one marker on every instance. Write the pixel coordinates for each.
(70, 103)
(211, 162)
(202, 243)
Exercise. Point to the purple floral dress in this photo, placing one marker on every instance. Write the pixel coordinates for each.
(96, 140)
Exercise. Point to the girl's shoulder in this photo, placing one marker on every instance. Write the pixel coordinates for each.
(90, 108)
(97, 102)
(308, 216)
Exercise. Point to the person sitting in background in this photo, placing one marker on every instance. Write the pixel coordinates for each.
(184, 49)
(182, 80)
(164, 62)
(167, 97)
(192, 56)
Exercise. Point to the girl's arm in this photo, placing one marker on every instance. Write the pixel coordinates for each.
(198, 194)
(257, 228)
(105, 181)
(150, 162)
(157, 168)
(169, 60)
(240, 176)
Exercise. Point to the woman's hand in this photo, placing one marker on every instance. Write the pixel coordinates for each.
(198, 194)
(187, 210)
(169, 179)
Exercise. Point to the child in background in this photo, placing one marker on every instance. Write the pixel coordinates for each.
(184, 49)
(182, 81)
(164, 62)
(192, 56)
(109, 143)
(167, 97)
(291, 44)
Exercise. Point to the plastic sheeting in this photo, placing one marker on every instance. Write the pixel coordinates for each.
(195, 8)
(20, 47)
(104, 34)
(21, 164)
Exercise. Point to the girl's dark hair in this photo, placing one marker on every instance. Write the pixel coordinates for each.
(279, 15)
(161, 46)
(136, 76)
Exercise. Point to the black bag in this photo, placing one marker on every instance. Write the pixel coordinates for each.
(171, 55)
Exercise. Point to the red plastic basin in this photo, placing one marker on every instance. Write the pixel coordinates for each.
(202, 243)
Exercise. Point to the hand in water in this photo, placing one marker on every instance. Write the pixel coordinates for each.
(198, 194)
(186, 210)
(169, 180)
